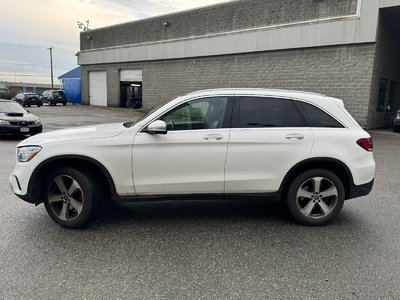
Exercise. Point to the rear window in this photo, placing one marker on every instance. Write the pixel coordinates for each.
(315, 117)
(59, 93)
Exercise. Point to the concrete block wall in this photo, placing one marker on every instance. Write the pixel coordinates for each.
(225, 17)
(341, 71)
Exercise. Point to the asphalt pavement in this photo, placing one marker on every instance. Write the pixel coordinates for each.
(200, 249)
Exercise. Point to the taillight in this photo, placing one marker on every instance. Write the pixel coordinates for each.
(366, 144)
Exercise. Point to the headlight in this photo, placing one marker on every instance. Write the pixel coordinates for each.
(4, 123)
(25, 154)
(37, 122)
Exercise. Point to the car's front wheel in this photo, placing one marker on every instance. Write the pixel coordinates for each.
(315, 197)
(71, 197)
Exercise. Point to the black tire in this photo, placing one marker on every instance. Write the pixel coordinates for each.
(78, 200)
(307, 203)
(64, 103)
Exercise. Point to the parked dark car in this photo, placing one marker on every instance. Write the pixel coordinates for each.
(396, 121)
(28, 99)
(52, 97)
(15, 120)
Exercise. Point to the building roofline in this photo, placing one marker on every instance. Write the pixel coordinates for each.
(227, 2)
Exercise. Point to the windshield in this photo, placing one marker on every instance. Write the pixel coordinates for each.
(11, 107)
(130, 124)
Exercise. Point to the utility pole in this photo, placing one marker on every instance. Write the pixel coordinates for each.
(51, 65)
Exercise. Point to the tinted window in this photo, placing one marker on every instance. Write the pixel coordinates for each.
(58, 94)
(269, 112)
(292, 117)
(260, 112)
(315, 117)
(207, 113)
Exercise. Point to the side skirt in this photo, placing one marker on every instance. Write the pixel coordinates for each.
(141, 198)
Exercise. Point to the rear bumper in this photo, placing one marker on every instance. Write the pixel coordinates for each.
(360, 190)
(32, 101)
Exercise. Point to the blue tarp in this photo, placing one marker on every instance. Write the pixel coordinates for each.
(72, 85)
(72, 89)
(75, 73)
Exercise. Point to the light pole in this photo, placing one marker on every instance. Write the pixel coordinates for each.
(51, 65)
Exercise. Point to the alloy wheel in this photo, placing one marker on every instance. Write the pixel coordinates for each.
(65, 198)
(317, 197)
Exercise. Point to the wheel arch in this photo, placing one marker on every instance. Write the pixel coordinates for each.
(77, 161)
(336, 166)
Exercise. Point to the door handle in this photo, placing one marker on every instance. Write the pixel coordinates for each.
(296, 136)
(212, 137)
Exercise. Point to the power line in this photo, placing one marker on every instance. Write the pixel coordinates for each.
(63, 50)
(24, 75)
(20, 45)
(30, 65)
(3, 44)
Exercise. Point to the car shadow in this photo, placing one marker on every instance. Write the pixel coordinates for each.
(13, 137)
(200, 210)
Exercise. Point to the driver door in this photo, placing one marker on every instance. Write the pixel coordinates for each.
(190, 157)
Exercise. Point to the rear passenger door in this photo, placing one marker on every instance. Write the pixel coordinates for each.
(268, 137)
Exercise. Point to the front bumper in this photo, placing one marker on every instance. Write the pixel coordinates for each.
(16, 129)
(20, 179)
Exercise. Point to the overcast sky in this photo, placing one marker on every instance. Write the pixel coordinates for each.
(29, 27)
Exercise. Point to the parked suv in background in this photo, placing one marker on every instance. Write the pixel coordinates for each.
(301, 148)
(396, 121)
(52, 97)
(28, 99)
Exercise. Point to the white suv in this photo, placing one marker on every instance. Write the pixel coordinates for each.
(301, 148)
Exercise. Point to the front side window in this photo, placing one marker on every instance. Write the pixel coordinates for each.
(315, 117)
(206, 113)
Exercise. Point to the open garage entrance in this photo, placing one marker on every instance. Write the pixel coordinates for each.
(130, 88)
(386, 79)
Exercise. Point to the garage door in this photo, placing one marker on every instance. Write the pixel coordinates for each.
(97, 88)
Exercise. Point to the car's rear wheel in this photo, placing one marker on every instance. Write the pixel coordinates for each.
(71, 197)
(315, 197)
(64, 103)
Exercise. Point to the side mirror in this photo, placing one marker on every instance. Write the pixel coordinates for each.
(157, 127)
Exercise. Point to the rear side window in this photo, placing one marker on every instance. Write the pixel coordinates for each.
(268, 112)
(260, 112)
(315, 117)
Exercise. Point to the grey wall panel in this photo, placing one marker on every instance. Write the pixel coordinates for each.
(340, 71)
